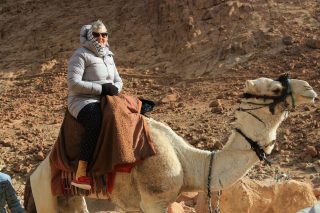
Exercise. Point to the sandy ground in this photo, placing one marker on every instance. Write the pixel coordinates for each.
(32, 114)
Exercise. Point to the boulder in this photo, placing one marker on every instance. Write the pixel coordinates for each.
(175, 208)
(251, 196)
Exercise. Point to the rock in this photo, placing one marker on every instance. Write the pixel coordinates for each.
(5, 143)
(218, 145)
(220, 96)
(313, 43)
(17, 167)
(316, 181)
(181, 105)
(287, 132)
(287, 40)
(170, 98)
(264, 197)
(318, 149)
(215, 103)
(317, 168)
(277, 147)
(316, 192)
(207, 15)
(217, 110)
(175, 208)
(186, 196)
(25, 170)
(216, 106)
(40, 156)
(306, 158)
(311, 151)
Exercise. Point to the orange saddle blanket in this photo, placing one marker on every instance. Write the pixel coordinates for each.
(124, 141)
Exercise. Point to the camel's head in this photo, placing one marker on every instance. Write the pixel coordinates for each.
(293, 91)
(265, 97)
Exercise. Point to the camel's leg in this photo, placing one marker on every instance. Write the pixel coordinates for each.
(72, 204)
(40, 181)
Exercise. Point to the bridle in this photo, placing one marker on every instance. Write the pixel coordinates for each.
(286, 91)
(282, 98)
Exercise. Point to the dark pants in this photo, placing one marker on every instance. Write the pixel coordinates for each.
(90, 118)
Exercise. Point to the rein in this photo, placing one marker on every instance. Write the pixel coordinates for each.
(255, 147)
(217, 209)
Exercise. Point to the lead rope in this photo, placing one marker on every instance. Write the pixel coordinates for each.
(217, 209)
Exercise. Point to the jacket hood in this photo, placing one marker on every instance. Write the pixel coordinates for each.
(90, 44)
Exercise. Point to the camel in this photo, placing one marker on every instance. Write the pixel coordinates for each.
(179, 167)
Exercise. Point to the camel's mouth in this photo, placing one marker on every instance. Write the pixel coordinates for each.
(310, 98)
(310, 95)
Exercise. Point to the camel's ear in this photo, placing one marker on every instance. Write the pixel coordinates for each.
(249, 85)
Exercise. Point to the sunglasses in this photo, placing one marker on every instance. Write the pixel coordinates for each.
(95, 34)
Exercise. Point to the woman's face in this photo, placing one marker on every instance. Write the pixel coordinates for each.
(101, 35)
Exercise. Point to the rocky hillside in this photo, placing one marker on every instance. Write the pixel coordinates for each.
(186, 37)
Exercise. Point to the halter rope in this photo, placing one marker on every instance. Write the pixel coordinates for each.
(217, 209)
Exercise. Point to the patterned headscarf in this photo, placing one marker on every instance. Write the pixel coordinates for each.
(101, 51)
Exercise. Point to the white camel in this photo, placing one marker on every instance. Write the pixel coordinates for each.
(179, 167)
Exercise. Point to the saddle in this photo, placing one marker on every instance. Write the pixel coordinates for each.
(123, 143)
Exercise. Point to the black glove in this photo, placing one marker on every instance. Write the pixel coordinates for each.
(109, 89)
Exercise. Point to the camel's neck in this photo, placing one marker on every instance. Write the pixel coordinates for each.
(232, 163)
(237, 157)
(228, 166)
(195, 163)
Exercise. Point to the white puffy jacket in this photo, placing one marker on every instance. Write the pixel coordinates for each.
(87, 72)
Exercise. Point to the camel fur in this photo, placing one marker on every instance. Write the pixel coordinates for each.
(178, 167)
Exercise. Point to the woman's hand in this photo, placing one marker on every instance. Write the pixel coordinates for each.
(109, 89)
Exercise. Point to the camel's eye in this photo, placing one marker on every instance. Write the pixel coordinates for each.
(276, 91)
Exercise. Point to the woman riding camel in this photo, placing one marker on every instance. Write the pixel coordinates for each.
(91, 74)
